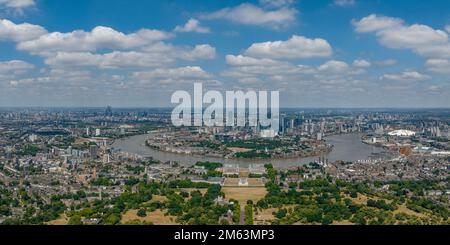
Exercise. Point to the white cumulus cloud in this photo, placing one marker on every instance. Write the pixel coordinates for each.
(250, 14)
(17, 3)
(438, 65)
(394, 33)
(361, 63)
(295, 47)
(188, 72)
(15, 67)
(153, 56)
(374, 22)
(406, 76)
(99, 38)
(241, 60)
(192, 25)
(10, 31)
(334, 66)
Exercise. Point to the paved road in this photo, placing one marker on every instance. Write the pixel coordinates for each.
(242, 218)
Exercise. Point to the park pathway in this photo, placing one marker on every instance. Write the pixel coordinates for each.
(242, 217)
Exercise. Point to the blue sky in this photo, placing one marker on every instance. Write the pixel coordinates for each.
(317, 53)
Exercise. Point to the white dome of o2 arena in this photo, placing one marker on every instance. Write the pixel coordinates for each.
(402, 132)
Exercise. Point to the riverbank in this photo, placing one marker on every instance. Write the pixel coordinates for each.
(346, 147)
(231, 156)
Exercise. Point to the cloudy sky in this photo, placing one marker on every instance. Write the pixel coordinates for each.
(317, 53)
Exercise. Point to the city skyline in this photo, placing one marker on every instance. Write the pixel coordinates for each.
(318, 54)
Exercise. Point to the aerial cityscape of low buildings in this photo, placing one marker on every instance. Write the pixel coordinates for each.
(80, 157)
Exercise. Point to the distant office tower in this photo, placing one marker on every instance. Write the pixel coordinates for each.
(438, 132)
(108, 111)
(379, 129)
(311, 129)
(88, 131)
(93, 151)
(97, 132)
(282, 125)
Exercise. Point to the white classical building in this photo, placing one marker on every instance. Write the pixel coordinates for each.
(257, 169)
(231, 169)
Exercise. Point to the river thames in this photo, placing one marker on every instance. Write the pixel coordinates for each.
(347, 147)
